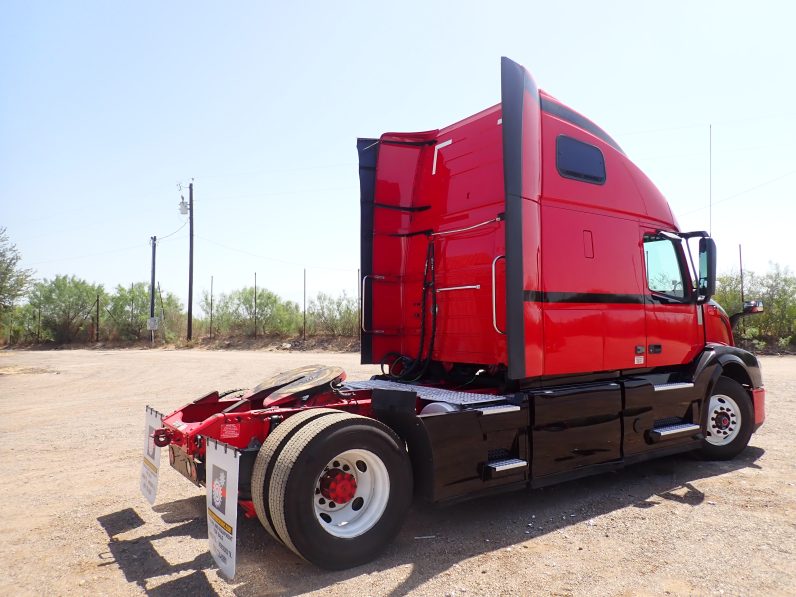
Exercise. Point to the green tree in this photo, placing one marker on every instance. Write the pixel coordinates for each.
(777, 290)
(728, 290)
(234, 314)
(66, 305)
(23, 324)
(129, 311)
(334, 316)
(172, 316)
(14, 280)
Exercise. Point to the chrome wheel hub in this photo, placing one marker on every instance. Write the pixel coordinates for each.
(351, 493)
(724, 420)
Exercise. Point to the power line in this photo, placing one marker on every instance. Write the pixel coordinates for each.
(750, 189)
(112, 251)
(184, 224)
(295, 263)
(213, 198)
(279, 171)
(779, 117)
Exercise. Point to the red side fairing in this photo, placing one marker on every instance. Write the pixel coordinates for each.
(717, 325)
(439, 182)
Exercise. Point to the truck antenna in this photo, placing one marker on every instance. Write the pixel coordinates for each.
(710, 179)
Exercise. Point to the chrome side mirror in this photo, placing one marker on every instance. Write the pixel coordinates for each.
(749, 308)
(706, 285)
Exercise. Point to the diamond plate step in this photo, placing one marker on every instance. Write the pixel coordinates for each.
(674, 431)
(663, 387)
(497, 409)
(424, 392)
(505, 464)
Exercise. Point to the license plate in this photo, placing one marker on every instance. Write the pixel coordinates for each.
(184, 464)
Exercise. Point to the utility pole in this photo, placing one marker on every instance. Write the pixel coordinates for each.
(154, 240)
(740, 262)
(305, 305)
(96, 330)
(211, 307)
(190, 262)
(255, 304)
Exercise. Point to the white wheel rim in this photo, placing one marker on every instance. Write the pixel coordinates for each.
(724, 420)
(364, 509)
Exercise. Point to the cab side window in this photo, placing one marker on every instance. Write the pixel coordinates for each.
(664, 275)
(579, 161)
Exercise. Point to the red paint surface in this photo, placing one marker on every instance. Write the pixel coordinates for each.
(717, 326)
(578, 238)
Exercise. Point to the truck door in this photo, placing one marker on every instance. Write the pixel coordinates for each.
(671, 312)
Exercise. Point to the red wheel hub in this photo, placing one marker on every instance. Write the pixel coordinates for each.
(338, 486)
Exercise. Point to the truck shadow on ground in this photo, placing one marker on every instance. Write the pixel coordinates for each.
(433, 539)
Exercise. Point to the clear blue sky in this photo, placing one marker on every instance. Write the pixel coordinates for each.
(105, 106)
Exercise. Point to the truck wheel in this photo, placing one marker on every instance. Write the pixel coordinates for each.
(266, 458)
(340, 490)
(730, 421)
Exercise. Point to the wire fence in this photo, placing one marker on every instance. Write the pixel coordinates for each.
(85, 313)
(255, 310)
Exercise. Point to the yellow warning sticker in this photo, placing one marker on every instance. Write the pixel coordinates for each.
(219, 521)
(150, 466)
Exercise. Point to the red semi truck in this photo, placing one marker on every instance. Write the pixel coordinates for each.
(538, 317)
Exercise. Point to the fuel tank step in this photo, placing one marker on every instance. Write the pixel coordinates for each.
(504, 467)
(680, 385)
(498, 409)
(677, 431)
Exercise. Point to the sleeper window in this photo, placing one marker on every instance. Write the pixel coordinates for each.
(579, 161)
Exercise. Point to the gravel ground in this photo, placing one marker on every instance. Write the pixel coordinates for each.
(76, 524)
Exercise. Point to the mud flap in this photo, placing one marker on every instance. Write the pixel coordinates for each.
(223, 462)
(150, 464)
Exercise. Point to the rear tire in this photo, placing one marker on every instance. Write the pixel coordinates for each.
(355, 460)
(730, 421)
(266, 458)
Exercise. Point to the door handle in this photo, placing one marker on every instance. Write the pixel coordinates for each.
(494, 298)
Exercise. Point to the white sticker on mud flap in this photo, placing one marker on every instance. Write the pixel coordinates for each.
(151, 459)
(221, 478)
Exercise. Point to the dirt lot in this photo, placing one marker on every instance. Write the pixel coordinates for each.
(74, 522)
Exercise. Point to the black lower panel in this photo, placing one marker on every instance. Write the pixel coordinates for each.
(576, 426)
(462, 445)
(645, 409)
